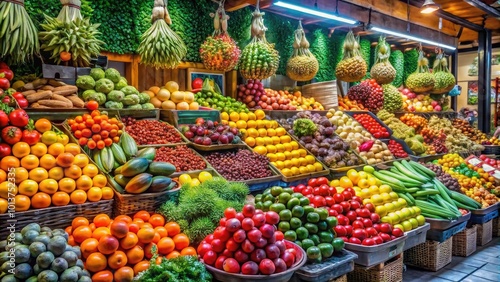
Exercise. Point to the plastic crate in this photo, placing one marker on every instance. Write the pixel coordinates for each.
(480, 219)
(416, 236)
(431, 255)
(464, 242)
(373, 255)
(443, 235)
(484, 233)
(331, 268)
(389, 271)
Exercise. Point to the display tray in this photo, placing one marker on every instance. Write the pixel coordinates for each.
(372, 255)
(55, 115)
(277, 114)
(480, 219)
(285, 276)
(486, 210)
(491, 149)
(443, 224)
(352, 113)
(195, 173)
(416, 236)
(177, 173)
(137, 114)
(425, 159)
(402, 143)
(337, 265)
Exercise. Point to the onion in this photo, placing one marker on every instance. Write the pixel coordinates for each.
(249, 85)
(253, 91)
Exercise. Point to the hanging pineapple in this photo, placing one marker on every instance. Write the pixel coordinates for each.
(421, 80)
(382, 71)
(444, 80)
(352, 67)
(259, 59)
(219, 52)
(302, 65)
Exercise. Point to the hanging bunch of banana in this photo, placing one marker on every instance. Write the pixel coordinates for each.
(69, 38)
(160, 46)
(18, 34)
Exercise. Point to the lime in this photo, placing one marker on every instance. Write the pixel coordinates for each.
(368, 168)
(326, 250)
(285, 215)
(338, 244)
(284, 197)
(258, 198)
(295, 223)
(283, 226)
(313, 253)
(266, 205)
(304, 201)
(323, 213)
(297, 195)
(288, 190)
(297, 211)
(258, 205)
(270, 197)
(308, 209)
(293, 202)
(312, 217)
(290, 235)
(420, 219)
(276, 190)
(311, 227)
(302, 233)
(299, 243)
(278, 207)
(267, 191)
(331, 221)
(322, 225)
(306, 243)
(414, 223)
(314, 238)
(326, 237)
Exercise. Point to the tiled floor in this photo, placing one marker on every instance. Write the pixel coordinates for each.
(482, 266)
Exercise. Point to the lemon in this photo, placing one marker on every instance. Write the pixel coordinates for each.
(251, 116)
(294, 144)
(232, 124)
(224, 116)
(195, 182)
(288, 155)
(241, 124)
(250, 141)
(286, 172)
(295, 170)
(234, 116)
(310, 159)
(287, 163)
(272, 157)
(185, 178)
(281, 157)
(251, 124)
(268, 140)
(271, 149)
(303, 170)
(271, 132)
(318, 166)
(295, 161)
(204, 176)
(243, 116)
(262, 132)
(280, 148)
(280, 131)
(260, 114)
(280, 164)
(311, 168)
(259, 141)
(260, 124)
(303, 161)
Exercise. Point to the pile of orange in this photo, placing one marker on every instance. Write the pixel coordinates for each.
(52, 172)
(268, 138)
(118, 249)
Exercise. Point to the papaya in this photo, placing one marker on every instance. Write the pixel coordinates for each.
(122, 180)
(161, 168)
(134, 167)
(128, 145)
(116, 186)
(160, 183)
(118, 170)
(148, 153)
(139, 184)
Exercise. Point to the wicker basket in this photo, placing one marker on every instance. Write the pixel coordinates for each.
(464, 242)
(342, 278)
(390, 271)
(484, 233)
(56, 217)
(430, 255)
(496, 227)
(128, 204)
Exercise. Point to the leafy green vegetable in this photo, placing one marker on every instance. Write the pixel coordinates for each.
(304, 127)
(179, 269)
(411, 62)
(397, 61)
(365, 46)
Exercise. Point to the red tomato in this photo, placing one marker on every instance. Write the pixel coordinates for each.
(23, 103)
(5, 150)
(92, 105)
(4, 119)
(197, 83)
(17, 95)
(11, 135)
(313, 182)
(8, 74)
(322, 181)
(30, 136)
(19, 118)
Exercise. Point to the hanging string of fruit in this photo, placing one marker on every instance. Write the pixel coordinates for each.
(444, 80)
(421, 80)
(69, 38)
(259, 59)
(219, 52)
(352, 67)
(302, 65)
(160, 46)
(382, 71)
(18, 34)
(70, 10)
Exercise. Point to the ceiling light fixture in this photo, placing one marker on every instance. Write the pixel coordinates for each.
(315, 13)
(411, 37)
(428, 7)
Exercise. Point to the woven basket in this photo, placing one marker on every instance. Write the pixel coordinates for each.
(496, 227)
(129, 204)
(390, 271)
(342, 278)
(430, 255)
(484, 233)
(464, 242)
(56, 217)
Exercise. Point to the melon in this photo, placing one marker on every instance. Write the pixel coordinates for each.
(172, 86)
(163, 95)
(194, 106)
(168, 105)
(156, 102)
(177, 97)
(183, 106)
(154, 89)
(188, 97)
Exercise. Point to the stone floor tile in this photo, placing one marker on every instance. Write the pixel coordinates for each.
(472, 278)
(486, 274)
(463, 267)
(491, 267)
(452, 275)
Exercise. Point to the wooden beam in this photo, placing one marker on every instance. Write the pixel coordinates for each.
(233, 5)
(484, 7)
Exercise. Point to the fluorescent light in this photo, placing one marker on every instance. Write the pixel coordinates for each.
(429, 6)
(411, 37)
(314, 12)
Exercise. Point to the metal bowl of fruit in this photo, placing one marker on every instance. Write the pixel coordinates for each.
(300, 260)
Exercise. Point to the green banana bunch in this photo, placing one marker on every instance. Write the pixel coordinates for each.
(78, 37)
(18, 34)
(259, 60)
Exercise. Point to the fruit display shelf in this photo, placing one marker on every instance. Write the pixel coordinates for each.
(443, 224)
(446, 114)
(487, 210)
(285, 276)
(426, 158)
(352, 113)
(416, 236)
(491, 150)
(372, 255)
(331, 268)
(403, 144)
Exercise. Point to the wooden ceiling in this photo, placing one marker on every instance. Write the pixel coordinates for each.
(392, 14)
